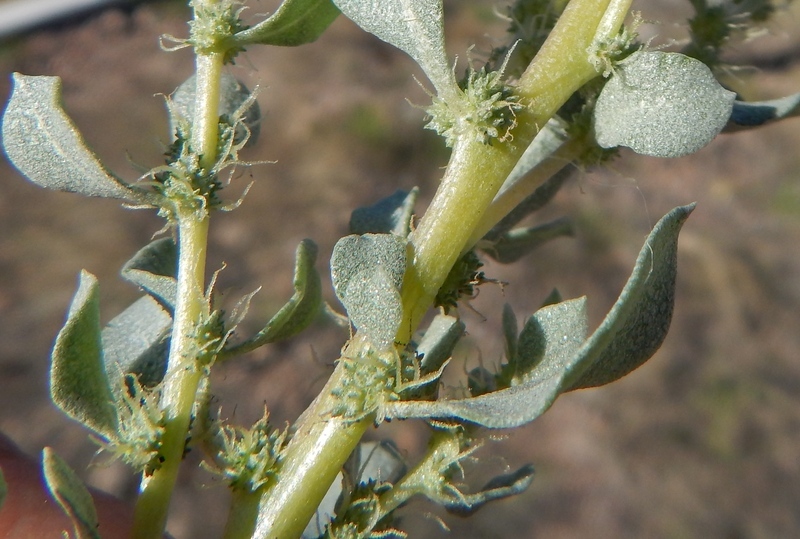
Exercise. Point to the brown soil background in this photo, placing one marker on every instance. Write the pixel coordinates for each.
(703, 441)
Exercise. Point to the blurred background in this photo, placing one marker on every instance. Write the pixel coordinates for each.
(703, 441)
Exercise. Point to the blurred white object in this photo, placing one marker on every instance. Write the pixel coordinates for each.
(20, 15)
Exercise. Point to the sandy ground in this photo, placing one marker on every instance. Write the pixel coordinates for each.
(704, 441)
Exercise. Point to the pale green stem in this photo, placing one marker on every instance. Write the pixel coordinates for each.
(477, 171)
(181, 380)
(242, 514)
(318, 450)
(508, 199)
(183, 375)
(205, 128)
(563, 64)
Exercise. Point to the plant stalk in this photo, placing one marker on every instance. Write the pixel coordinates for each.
(476, 171)
(183, 375)
(318, 450)
(181, 380)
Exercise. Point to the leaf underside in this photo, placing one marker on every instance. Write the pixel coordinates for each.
(71, 494)
(44, 144)
(630, 334)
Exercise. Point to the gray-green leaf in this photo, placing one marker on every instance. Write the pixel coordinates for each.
(437, 345)
(367, 273)
(630, 334)
(137, 341)
(71, 494)
(295, 22)
(391, 215)
(499, 487)
(301, 309)
(153, 268)
(663, 104)
(757, 113)
(414, 26)
(43, 143)
(562, 329)
(78, 381)
(639, 320)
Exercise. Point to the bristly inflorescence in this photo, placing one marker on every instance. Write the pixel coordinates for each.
(140, 426)
(368, 384)
(360, 516)
(461, 282)
(213, 25)
(604, 54)
(485, 113)
(248, 458)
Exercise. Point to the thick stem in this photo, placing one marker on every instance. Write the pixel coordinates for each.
(474, 175)
(318, 450)
(205, 127)
(181, 380)
(242, 514)
(563, 63)
(477, 171)
(509, 198)
(183, 375)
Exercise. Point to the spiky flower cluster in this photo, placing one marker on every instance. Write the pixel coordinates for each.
(716, 22)
(604, 54)
(248, 458)
(140, 426)
(368, 384)
(360, 516)
(213, 25)
(486, 111)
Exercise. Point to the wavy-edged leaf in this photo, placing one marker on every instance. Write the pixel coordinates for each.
(297, 313)
(367, 272)
(43, 143)
(153, 268)
(295, 22)
(416, 27)
(639, 320)
(136, 341)
(78, 381)
(519, 242)
(630, 334)
(391, 215)
(71, 494)
(757, 113)
(502, 486)
(663, 104)
(562, 329)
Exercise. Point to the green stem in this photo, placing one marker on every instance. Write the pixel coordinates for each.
(205, 127)
(474, 175)
(183, 375)
(181, 380)
(477, 171)
(318, 450)
(509, 198)
(242, 514)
